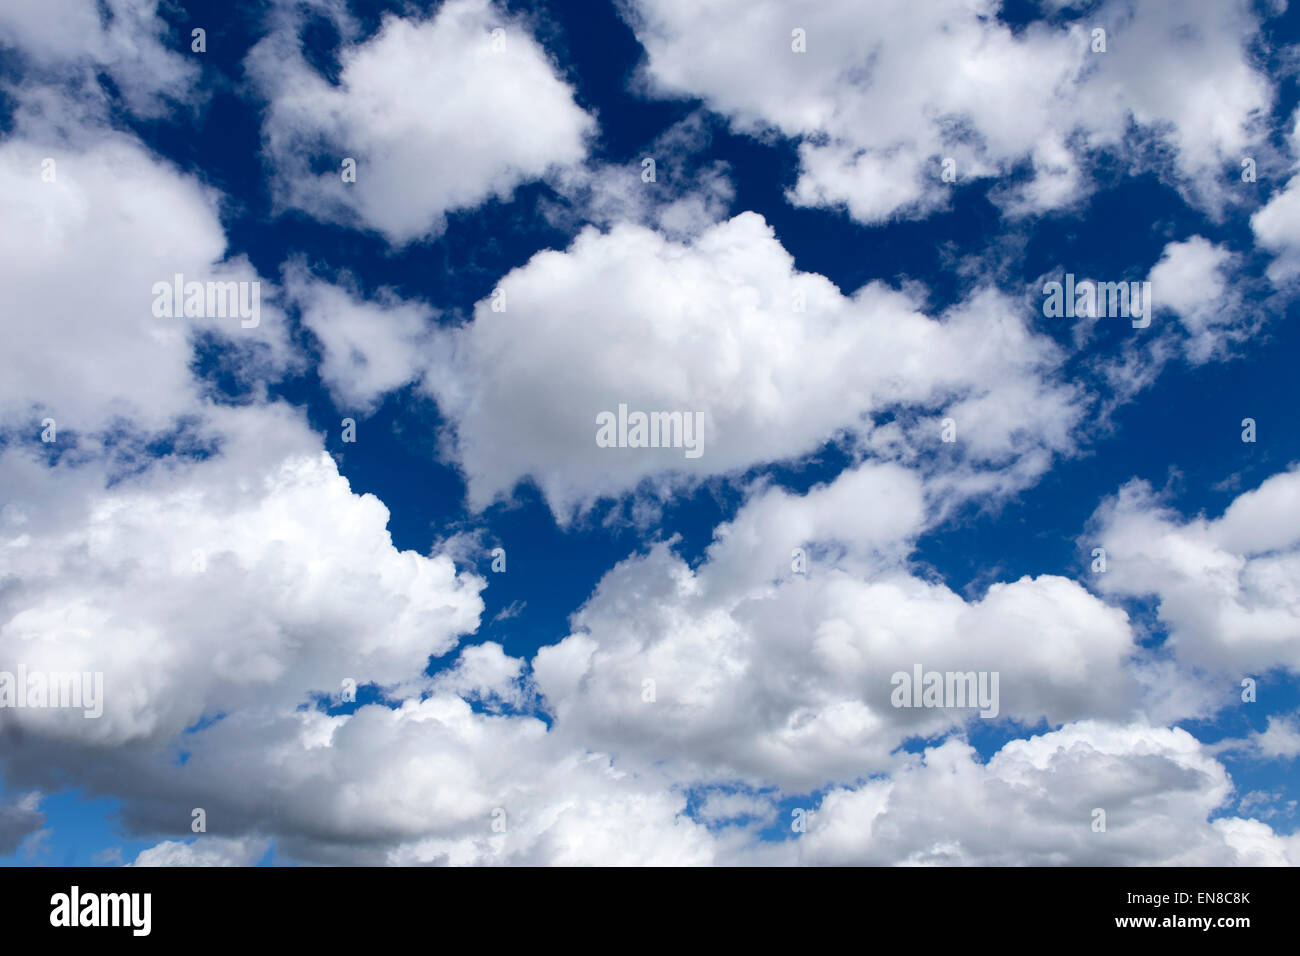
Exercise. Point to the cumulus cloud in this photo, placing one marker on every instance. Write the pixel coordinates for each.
(1034, 801)
(761, 673)
(219, 594)
(428, 783)
(774, 361)
(885, 92)
(1226, 587)
(484, 672)
(1276, 230)
(80, 257)
(204, 587)
(766, 674)
(1192, 280)
(227, 585)
(1277, 224)
(369, 345)
(438, 115)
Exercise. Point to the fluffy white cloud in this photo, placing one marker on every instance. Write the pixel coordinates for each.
(1033, 804)
(1280, 739)
(79, 259)
(761, 673)
(1276, 229)
(775, 361)
(484, 672)
(886, 91)
(1192, 279)
(207, 587)
(430, 782)
(369, 346)
(1228, 589)
(217, 595)
(436, 116)
(768, 675)
(1277, 224)
(221, 586)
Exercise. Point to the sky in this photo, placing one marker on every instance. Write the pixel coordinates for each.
(348, 564)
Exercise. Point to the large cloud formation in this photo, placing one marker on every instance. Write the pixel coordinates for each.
(762, 672)
(206, 555)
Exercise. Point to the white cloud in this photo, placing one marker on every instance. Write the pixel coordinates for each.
(72, 40)
(248, 580)
(79, 258)
(766, 675)
(1276, 229)
(1277, 224)
(1279, 740)
(1192, 279)
(205, 851)
(1032, 804)
(370, 346)
(712, 327)
(484, 672)
(421, 784)
(1227, 588)
(687, 194)
(233, 578)
(435, 117)
(761, 673)
(886, 91)
(719, 806)
(230, 589)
